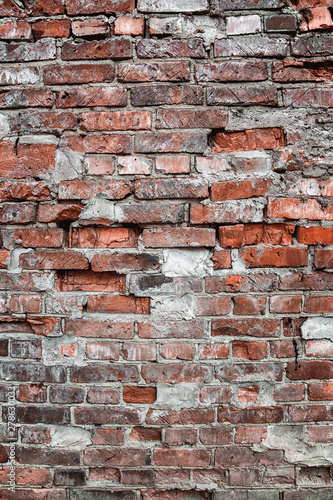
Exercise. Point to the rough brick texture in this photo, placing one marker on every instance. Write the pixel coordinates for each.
(166, 249)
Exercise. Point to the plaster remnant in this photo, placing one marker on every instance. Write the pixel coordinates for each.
(187, 263)
(317, 328)
(71, 438)
(177, 395)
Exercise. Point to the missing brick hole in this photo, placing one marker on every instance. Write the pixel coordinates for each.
(212, 135)
(330, 9)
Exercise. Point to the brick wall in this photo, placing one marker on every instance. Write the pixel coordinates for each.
(166, 249)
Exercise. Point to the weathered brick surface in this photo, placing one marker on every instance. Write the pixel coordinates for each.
(166, 249)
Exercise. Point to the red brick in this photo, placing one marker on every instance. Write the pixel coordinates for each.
(139, 395)
(248, 372)
(101, 474)
(105, 373)
(26, 160)
(39, 8)
(96, 143)
(88, 97)
(84, 189)
(67, 394)
(58, 213)
(32, 393)
(41, 415)
(242, 96)
(249, 326)
(26, 98)
(169, 48)
(316, 18)
(225, 212)
(179, 437)
(308, 46)
(284, 348)
(285, 304)
(314, 235)
(103, 237)
(249, 305)
(310, 413)
(89, 28)
(312, 97)
(102, 351)
(4, 258)
(182, 457)
(105, 49)
(177, 351)
(320, 391)
(253, 234)
(53, 28)
(25, 52)
(53, 259)
(176, 373)
(280, 22)
(100, 165)
(248, 140)
(320, 433)
(89, 281)
(302, 281)
(78, 74)
(241, 283)
(45, 326)
(145, 434)
(173, 164)
(24, 191)
(75, 7)
(242, 456)
(34, 237)
(16, 213)
(139, 352)
(172, 329)
(129, 26)
(140, 478)
(288, 392)
(293, 208)
(221, 259)
(234, 71)
(174, 494)
(117, 120)
(103, 396)
(215, 435)
(267, 256)
(191, 118)
(171, 71)
(118, 304)
(323, 258)
(122, 262)
(115, 457)
(296, 70)
(170, 143)
(249, 350)
(167, 94)
(248, 434)
(15, 30)
(305, 370)
(319, 348)
(215, 394)
(244, 477)
(134, 165)
(113, 437)
(319, 304)
(49, 120)
(35, 435)
(19, 75)
(25, 304)
(248, 394)
(249, 46)
(213, 306)
(170, 188)
(99, 329)
(235, 190)
(214, 351)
